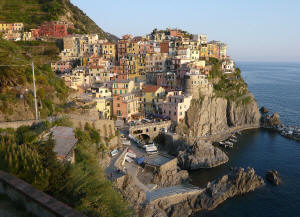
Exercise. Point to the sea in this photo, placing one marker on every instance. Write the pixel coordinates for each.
(277, 87)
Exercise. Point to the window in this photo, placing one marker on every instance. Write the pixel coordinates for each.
(174, 113)
(118, 105)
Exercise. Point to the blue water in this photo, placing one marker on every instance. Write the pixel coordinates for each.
(276, 86)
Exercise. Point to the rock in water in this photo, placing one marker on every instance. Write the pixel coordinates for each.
(275, 119)
(264, 110)
(272, 176)
(201, 155)
(237, 182)
(271, 121)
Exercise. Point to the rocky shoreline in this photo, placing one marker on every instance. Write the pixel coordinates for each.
(273, 122)
(237, 182)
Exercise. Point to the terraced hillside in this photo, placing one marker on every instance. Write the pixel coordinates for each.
(34, 12)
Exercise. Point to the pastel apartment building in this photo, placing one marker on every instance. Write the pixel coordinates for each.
(125, 106)
(62, 66)
(11, 27)
(104, 102)
(152, 95)
(120, 87)
(109, 51)
(175, 106)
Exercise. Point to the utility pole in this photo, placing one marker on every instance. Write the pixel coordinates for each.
(34, 93)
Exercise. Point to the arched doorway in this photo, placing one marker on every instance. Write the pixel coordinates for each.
(144, 138)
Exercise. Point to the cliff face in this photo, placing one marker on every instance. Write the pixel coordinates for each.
(215, 115)
(201, 155)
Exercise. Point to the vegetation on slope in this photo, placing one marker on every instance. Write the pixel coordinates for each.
(82, 185)
(16, 77)
(231, 86)
(34, 12)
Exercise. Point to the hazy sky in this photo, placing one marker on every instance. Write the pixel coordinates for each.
(255, 30)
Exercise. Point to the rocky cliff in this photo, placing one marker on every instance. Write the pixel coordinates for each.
(201, 155)
(237, 182)
(216, 115)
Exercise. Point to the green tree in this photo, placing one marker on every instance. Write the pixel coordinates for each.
(23, 161)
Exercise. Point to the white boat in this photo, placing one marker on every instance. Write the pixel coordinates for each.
(151, 149)
(232, 140)
(229, 144)
(152, 152)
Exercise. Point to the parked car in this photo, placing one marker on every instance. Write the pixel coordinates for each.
(114, 152)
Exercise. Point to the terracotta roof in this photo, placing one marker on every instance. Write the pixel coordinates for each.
(150, 88)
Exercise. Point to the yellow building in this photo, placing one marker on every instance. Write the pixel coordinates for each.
(133, 65)
(203, 50)
(4, 27)
(133, 48)
(212, 50)
(84, 60)
(104, 107)
(11, 27)
(109, 51)
(151, 96)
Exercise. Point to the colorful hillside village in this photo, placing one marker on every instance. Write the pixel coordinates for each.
(158, 74)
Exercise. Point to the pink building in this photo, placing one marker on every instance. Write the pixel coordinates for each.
(175, 106)
(62, 66)
(166, 80)
(145, 47)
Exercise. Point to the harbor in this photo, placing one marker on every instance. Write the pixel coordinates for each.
(230, 142)
(290, 132)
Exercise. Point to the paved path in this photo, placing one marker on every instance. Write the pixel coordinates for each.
(172, 191)
(111, 171)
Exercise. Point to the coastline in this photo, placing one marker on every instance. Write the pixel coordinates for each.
(223, 136)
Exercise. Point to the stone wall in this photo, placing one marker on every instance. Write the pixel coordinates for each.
(106, 127)
(34, 201)
(17, 124)
(168, 174)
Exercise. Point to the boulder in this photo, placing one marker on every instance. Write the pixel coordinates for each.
(201, 155)
(272, 176)
(264, 110)
(271, 121)
(275, 119)
(128, 188)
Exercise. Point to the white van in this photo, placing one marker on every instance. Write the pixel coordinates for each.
(114, 152)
